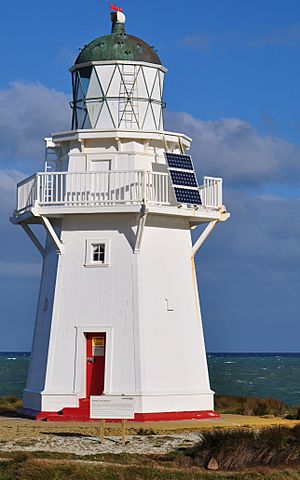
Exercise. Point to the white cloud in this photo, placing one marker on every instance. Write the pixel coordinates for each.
(28, 113)
(249, 275)
(233, 149)
(8, 179)
(15, 246)
(201, 41)
(206, 42)
(8, 187)
(279, 37)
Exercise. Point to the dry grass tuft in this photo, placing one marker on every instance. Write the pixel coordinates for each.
(239, 449)
(145, 432)
(294, 414)
(250, 406)
(10, 405)
(136, 467)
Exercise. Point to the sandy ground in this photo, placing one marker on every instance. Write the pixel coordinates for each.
(83, 438)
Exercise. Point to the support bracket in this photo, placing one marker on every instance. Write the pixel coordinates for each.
(165, 142)
(140, 228)
(50, 230)
(34, 239)
(206, 232)
(224, 215)
(182, 150)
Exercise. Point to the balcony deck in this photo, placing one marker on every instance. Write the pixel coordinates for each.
(60, 193)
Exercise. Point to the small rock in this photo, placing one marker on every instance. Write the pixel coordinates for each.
(212, 464)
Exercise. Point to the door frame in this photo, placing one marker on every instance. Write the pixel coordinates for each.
(79, 384)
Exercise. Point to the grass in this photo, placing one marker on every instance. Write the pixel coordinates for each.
(10, 405)
(240, 449)
(145, 432)
(23, 466)
(251, 406)
(294, 414)
(242, 454)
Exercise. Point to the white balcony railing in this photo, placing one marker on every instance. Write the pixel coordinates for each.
(26, 193)
(107, 188)
(211, 192)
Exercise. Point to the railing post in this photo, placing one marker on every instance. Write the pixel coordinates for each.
(144, 185)
(204, 192)
(38, 189)
(20, 197)
(220, 196)
(212, 192)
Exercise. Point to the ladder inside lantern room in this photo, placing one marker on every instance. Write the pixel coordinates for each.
(50, 183)
(128, 103)
(47, 192)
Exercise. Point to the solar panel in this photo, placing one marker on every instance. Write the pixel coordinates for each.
(176, 160)
(188, 195)
(184, 180)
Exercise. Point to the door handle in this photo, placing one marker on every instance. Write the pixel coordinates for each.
(90, 360)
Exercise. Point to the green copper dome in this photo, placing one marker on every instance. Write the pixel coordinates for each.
(118, 46)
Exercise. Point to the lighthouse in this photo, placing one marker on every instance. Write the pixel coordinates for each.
(118, 310)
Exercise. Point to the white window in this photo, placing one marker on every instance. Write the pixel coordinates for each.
(97, 253)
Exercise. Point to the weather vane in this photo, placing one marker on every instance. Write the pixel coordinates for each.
(115, 8)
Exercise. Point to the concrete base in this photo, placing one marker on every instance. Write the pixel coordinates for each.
(144, 404)
(82, 414)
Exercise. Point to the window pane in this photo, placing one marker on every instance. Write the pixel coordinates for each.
(84, 84)
(98, 252)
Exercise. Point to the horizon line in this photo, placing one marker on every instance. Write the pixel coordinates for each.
(207, 353)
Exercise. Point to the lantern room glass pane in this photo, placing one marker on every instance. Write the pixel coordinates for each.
(85, 75)
(86, 120)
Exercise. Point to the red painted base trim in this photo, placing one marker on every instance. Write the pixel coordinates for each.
(173, 416)
(82, 414)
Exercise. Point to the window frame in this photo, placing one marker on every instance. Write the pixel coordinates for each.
(90, 243)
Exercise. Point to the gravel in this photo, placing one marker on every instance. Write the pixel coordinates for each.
(90, 445)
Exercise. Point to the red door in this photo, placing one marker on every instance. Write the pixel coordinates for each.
(95, 363)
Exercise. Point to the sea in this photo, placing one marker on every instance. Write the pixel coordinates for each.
(265, 375)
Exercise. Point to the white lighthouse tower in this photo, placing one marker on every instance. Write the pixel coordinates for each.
(118, 310)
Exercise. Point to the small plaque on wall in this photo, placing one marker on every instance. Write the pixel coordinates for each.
(98, 346)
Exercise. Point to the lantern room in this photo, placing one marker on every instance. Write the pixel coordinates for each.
(117, 82)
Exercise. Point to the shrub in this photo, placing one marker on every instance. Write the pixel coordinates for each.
(10, 405)
(236, 449)
(145, 431)
(294, 414)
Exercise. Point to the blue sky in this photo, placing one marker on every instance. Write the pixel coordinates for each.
(233, 85)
